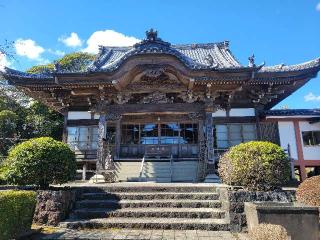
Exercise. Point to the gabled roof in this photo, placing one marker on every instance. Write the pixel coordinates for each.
(205, 58)
(194, 56)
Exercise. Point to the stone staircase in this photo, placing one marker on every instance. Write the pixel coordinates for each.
(157, 172)
(149, 207)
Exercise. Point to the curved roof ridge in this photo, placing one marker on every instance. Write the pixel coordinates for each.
(201, 45)
(314, 63)
(16, 73)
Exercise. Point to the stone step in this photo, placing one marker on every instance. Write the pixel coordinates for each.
(151, 195)
(152, 188)
(149, 223)
(168, 203)
(88, 213)
(158, 179)
(212, 178)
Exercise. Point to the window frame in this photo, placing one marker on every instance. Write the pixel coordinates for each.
(313, 138)
(242, 136)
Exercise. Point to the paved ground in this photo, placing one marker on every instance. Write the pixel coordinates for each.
(120, 234)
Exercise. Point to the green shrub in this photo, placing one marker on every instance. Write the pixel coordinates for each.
(16, 213)
(308, 191)
(40, 161)
(255, 165)
(268, 232)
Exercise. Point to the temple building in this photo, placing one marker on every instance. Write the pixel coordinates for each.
(167, 112)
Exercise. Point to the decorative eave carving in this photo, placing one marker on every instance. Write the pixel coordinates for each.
(122, 98)
(264, 96)
(156, 97)
(191, 96)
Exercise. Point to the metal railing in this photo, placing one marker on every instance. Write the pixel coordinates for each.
(141, 168)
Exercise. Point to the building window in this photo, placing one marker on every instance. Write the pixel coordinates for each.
(86, 137)
(165, 133)
(189, 133)
(311, 138)
(130, 134)
(228, 135)
(169, 133)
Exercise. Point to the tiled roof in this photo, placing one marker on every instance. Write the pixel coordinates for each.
(206, 56)
(293, 112)
(193, 56)
(297, 67)
(18, 74)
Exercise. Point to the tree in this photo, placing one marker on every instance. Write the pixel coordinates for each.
(42, 121)
(34, 119)
(256, 165)
(8, 124)
(73, 62)
(40, 161)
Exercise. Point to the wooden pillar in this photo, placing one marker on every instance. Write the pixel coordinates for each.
(256, 112)
(101, 140)
(118, 137)
(209, 136)
(301, 161)
(65, 130)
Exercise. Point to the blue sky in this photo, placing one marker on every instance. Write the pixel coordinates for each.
(275, 31)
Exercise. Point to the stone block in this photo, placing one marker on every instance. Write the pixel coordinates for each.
(300, 221)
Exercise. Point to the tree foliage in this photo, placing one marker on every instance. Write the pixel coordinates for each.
(308, 191)
(40, 161)
(32, 118)
(8, 123)
(16, 213)
(73, 62)
(256, 165)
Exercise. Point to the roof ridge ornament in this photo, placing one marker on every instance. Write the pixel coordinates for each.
(57, 67)
(152, 35)
(251, 61)
(151, 39)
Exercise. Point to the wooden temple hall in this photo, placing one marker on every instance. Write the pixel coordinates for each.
(166, 112)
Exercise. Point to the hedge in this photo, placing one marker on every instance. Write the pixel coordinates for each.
(16, 213)
(256, 165)
(265, 231)
(308, 191)
(40, 161)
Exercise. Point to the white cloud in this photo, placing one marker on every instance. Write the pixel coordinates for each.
(4, 62)
(318, 7)
(311, 97)
(56, 52)
(72, 41)
(28, 48)
(108, 38)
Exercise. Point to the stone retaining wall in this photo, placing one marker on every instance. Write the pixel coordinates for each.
(233, 203)
(53, 206)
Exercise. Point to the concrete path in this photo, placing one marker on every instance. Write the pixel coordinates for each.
(121, 234)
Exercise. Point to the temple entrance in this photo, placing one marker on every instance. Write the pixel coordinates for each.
(178, 139)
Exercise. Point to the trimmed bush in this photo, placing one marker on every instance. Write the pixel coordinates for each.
(16, 213)
(41, 161)
(268, 232)
(308, 191)
(255, 165)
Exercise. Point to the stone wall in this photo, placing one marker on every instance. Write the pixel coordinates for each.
(53, 206)
(233, 203)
